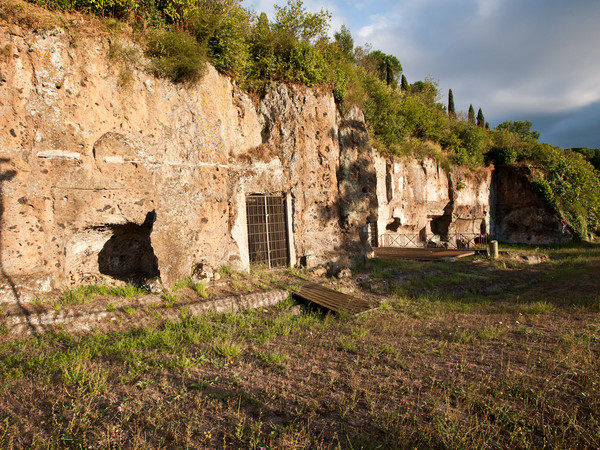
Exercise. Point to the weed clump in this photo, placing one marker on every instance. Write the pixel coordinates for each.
(199, 286)
(129, 290)
(227, 349)
(80, 295)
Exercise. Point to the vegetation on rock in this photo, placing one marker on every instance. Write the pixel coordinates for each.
(180, 35)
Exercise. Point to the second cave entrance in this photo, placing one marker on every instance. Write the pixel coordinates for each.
(267, 230)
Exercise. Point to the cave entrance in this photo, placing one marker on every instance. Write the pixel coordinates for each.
(440, 225)
(267, 230)
(128, 254)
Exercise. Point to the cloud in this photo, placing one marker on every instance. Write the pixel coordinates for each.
(507, 56)
(575, 128)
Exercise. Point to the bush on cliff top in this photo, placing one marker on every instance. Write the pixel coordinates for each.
(176, 55)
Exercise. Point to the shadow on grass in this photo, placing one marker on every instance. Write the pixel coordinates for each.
(568, 278)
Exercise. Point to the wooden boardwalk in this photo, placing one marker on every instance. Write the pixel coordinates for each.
(421, 254)
(333, 300)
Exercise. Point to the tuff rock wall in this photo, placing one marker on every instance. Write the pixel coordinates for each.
(422, 199)
(101, 179)
(105, 179)
(520, 214)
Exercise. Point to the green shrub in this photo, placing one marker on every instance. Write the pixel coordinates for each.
(223, 28)
(476, 143)
(61, 5)
(382, 111)
(112, 8)
(176, 55)
(592, 155)
(304, 64)
(503, 155)
(422, 121)
(570, 185)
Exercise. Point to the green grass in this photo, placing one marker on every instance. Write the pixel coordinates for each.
(275, 359)
(228, 349)
(433, 370)
(38, 301)
(537, 307)
(79, 295)
(83, 294)
(129, 290)
(199, 287)
(347, 344)
(225, 270)
(170, 299)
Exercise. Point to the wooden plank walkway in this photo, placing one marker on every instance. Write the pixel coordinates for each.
(421, 254)
(333, 300)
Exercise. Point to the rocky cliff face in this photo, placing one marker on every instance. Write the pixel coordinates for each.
(520, 214)
(104, 179)
(421, 199)
(101, 179)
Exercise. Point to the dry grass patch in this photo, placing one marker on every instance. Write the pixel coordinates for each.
(425, 371)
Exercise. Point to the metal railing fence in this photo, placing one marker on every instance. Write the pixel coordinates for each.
(453, 241)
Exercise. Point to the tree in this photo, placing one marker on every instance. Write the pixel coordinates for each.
(223, 28)
(393, 69)
(345, 42)
(480, 119)
(426, 91)
(404, 84)
(471, 116)
(451, 110)
(296, 21)
(263, 62)
(592, 155)
(388, 67)
(521, 128)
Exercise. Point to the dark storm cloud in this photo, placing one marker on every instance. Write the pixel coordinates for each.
(579, 128)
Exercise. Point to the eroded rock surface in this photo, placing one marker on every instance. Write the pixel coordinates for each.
(521, 215)
(430, 204)
(106, 179)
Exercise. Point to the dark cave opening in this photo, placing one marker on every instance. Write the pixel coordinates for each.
(128, 254)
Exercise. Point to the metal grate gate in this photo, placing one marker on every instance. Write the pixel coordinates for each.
(267, 230)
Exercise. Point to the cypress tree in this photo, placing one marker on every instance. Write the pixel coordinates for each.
(471, 116)
(404, 84)
(480, 119)
(451, 111)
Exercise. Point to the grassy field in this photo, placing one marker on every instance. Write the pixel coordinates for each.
(473, 353)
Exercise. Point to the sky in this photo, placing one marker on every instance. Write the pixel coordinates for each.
(536, 60)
